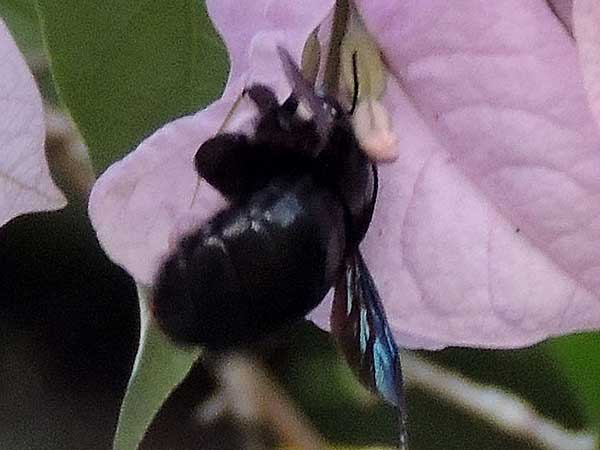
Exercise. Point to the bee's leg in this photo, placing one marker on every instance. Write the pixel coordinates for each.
(237, 165)
(227, 162)
(264, 98)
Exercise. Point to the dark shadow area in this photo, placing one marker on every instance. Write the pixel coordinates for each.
(69, 328)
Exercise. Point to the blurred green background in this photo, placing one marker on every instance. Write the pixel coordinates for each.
(69, 318)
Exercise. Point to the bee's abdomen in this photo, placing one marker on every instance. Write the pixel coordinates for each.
(253, 268)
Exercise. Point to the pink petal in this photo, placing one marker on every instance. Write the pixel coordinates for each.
(587, 24)
(238, 23)
(25, 182)
(563, 9)
(487, 230)
(142, 204)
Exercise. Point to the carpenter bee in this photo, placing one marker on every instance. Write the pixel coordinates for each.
(302, 193)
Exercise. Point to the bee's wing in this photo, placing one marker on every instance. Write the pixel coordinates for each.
(361, 329)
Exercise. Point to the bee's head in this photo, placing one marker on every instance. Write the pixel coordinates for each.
(305, 121)
(322, 109)
(341, 158)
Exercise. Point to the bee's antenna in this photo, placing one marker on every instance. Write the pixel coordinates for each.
(303, 90)
(355, 79)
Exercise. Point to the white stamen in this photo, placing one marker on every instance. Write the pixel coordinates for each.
(373, 128)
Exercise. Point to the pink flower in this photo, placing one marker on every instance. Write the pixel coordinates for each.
(487, 229)
(25, 183)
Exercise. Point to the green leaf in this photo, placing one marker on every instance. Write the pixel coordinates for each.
(579, 358)
(159, 368)
(125, 67)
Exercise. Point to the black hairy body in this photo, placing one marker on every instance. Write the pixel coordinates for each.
(272, 255)
(256, 267)
(302, 194)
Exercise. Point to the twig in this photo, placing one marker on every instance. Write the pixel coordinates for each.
(67, 154)
(248, 393)
(504, 410)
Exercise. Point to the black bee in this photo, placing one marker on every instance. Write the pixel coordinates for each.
(302, 194)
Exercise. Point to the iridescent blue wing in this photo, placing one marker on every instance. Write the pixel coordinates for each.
(361, 329)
